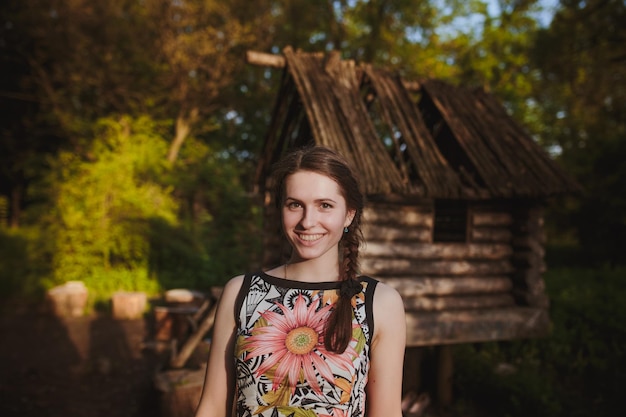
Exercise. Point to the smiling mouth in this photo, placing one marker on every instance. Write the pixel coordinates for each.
(310, 238)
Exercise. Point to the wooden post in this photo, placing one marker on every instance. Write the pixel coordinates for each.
(172, 322)
(179, 360)
(445, 371)
(411, 375)
(180, 391)
(128, 305)
(263, 59)
(68, 300)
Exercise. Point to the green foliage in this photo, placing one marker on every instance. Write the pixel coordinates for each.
(24, 260)
(103, 283)
(102, 203)
(524, 393)
(577, 371)
(118, 216)
(216, 211)
(580, 89)
(586, 350)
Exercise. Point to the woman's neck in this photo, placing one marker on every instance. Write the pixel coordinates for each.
(312, 270)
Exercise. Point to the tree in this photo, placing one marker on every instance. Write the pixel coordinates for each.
(71, 63)
(582, 92)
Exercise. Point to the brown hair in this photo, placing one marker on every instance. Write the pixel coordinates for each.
(329, 163)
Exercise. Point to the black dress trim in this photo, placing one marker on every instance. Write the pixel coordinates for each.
(243, 292)
(322, 285)
(369, 303)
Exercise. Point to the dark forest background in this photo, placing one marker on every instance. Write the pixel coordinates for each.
(130, 131)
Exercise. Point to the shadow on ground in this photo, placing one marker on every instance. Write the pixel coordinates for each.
(91, 366)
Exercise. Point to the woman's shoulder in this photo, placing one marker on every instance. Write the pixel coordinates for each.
(232, 288)
(387, 290)
(389, 314)
(387, 298)
(384, 291)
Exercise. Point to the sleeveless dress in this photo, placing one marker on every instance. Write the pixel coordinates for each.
(283, 368)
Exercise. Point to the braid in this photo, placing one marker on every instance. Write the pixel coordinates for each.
(339, 327)
(350, 258)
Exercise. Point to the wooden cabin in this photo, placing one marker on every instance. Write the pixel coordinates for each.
(455, 189)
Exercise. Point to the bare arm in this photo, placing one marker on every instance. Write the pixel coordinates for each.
(384, 387)
(219, 382)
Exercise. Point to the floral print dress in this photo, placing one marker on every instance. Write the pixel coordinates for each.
(283, 368)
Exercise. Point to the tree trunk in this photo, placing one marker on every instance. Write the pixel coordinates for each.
(183, 128)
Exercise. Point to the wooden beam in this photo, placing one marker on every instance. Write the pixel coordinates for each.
(394, 233)
(491, 234)
(468, 326)
(263, 59)
(445, 374)
(467, 302)
(379, 267)
(424, 286)
(447, 251)
(404, 216)
(494, 219)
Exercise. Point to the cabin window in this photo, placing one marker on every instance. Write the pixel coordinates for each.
(450, 223)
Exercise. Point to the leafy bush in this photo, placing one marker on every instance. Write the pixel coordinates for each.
(577, 371)
(102, 203)
(118, 216)
(24, 260)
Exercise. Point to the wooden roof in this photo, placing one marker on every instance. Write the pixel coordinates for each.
(451, 143)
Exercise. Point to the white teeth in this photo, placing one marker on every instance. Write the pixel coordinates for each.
(310, 238)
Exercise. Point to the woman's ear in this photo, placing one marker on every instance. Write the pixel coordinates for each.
(349, 217)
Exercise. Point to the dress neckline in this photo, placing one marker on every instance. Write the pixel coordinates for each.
(292, 283)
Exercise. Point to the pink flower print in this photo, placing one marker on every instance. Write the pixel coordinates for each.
(294, 341)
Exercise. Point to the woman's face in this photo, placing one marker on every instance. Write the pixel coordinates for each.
(314, 215)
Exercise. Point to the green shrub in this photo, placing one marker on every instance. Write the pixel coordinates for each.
(579, 370)
(103, 204)
(524, 392)
(24, 262)
(103, 283)
(118, 216)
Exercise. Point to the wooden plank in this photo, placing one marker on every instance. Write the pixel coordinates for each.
(423, 286)
(452, 251)
(395, 233)
(401, 115)
(450, 303)
(490, 234)
(179, 360)
(480, 218)
(390, 267)
(265, 60)
(405, 216)
(468, 326)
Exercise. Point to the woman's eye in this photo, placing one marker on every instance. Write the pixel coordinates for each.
(293, 205)
(326, 206)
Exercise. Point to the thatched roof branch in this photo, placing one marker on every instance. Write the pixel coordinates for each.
(454, 143)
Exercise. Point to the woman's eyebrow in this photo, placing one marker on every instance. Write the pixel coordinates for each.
(317, 200)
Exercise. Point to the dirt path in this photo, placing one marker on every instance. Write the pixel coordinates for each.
(91, 366)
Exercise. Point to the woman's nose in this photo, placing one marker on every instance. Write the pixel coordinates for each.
(309, 218)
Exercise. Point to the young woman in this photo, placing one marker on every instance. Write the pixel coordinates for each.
(310, 337)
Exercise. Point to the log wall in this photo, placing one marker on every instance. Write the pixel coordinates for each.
(488, 288)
